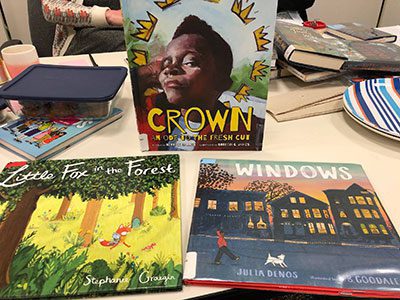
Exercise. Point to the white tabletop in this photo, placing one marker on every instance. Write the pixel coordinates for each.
(328, 138)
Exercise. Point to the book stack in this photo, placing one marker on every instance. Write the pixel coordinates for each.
(303, 46)
(334, 56)
(276, 69)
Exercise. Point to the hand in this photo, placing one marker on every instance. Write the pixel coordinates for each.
(148, 74)
(114, 17)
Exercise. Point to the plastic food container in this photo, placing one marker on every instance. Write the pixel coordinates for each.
(63, 92)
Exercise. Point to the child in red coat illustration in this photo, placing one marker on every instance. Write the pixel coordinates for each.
(223, 249)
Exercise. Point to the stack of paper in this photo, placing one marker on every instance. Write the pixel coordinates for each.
(312, 100)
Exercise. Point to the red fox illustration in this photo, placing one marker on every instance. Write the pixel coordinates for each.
(118, 237)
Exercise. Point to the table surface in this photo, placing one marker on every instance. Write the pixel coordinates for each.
(328, 138)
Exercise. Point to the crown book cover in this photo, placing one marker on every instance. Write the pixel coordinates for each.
(87, 227)
(200, 72)
(291, 226)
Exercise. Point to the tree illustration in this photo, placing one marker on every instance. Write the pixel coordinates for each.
(272, 188)
(22, 186)
(22, 200)
(212, 176)
(150, 185)
(155, 199)
(64, 208)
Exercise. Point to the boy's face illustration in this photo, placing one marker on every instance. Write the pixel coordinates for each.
(188, 73)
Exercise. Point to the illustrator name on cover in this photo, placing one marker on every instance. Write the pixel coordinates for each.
(143, 278)
(290, 171)
(374, 280)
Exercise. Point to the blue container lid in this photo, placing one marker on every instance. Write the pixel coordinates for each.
(65, 83)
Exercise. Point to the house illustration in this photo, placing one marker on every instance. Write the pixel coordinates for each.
(350, 216)
(358, 217)
(300, 217)
(238, 213)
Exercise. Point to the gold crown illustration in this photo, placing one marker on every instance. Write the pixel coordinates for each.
(243, 92)
(258, 70)
(147, 27)
(243, 14)
(166, 3)
(139, 57)
(261, 41)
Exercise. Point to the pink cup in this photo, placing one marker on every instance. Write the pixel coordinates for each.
(18, 57)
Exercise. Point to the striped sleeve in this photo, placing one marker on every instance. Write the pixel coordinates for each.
(73, 14)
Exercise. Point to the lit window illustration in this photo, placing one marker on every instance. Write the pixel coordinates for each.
(361, 200)
(321, 228)
(258, 206)
(357, 213)
(351, 200)
(364, 229)
(369, 201)
(307, 213)
(317, 213)
(248, 206)
(212, 204)
(311, 228)
(383, 229)
(375, 214)
(342, 214)
(284, 213)
(296, 213)
(326, 214)
(293, 200)
(250, 224)
(197, 202)
(331, 228)
(261, 224)
(233, 206)
(374, 229)
(366, 213)
(302, 200)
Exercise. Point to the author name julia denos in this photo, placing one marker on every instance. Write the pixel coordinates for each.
(143, 278)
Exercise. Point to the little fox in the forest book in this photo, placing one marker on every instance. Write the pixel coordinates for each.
(83, 227)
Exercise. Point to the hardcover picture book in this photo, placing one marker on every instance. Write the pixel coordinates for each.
(307, 47)
(359, 32)
(306, 74)
(307, 227)
(42, 138)
(200, 72)
(90, 227)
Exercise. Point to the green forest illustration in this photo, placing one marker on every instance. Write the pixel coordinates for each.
(94, 226)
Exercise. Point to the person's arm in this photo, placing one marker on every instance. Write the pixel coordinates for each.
(70, 13)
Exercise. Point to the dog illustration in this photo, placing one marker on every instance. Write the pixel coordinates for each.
(279, 260)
